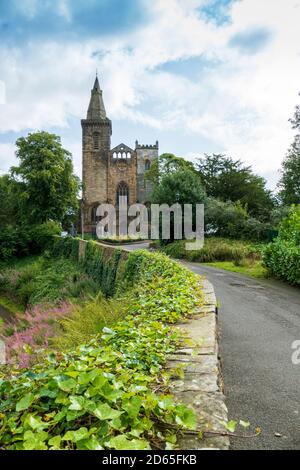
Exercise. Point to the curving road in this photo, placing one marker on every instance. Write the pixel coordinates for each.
(259, 321)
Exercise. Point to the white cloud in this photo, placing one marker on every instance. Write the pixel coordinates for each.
(7, 157)
(242, 103)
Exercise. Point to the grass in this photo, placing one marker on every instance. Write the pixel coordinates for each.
(256, 270)
(11, 305)
(216, 249)
(44, 280)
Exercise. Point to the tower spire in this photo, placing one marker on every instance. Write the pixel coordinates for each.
(96, 108)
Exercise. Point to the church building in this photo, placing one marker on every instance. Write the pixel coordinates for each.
(108, 173)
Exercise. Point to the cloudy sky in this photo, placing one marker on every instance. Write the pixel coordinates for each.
(200, 76)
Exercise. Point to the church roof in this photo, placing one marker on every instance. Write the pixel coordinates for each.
(96, 107)
(122, 148)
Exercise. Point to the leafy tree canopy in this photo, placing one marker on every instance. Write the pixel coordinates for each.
(182, 186)
(289, 184)
(229, 180)
(166, 164)
(47, 187)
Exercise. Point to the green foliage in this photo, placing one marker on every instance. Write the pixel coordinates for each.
(228, 219)
(282, 257)
(100, 395)
(167, 164)
(289, 184)
(48, 188)
(87, 320)
(182, 187)
(102, 268)
(215, 249)
(45, 280)
(228, 180)
(14, 241)
(20, 241)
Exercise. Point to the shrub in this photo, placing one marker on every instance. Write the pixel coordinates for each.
(282, 257)
(14, 241)
(41, 236)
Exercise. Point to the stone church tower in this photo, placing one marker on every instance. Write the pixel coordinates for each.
(109, 173)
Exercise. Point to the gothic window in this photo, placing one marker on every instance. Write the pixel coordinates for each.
(114, 155)
(128, 155)
(147, 165)
(124, 155)
(94, 214)
(122, 191)
(96, 138)
(119, 155)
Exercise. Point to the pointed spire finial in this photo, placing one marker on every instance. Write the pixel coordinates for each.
(96, 108)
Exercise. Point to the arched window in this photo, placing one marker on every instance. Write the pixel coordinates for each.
(119, 155)
(96, 138)
(124, 155)
(114, 155)
(94, 214)
(147, 165)
(122, 191)
(128, 155)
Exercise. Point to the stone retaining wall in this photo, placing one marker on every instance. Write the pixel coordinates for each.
(201, 386)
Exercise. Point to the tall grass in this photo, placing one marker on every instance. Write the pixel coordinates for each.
(215, 249)
(87, 320)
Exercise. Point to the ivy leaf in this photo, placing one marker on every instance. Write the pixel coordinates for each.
(75, 436)
(89, 444)
(105, 412)
(65, 384)
(122, 443)
(25, 402)
(77, 403)
(185, 417)
(55, 442)
(230, 425)
(36, 423)
(244, 424)
(132, 406)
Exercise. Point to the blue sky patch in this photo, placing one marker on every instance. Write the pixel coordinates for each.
(251, 41)
(30, 20)
(191, 67)
(217, 11)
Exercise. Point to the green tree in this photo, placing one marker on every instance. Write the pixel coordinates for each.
(8, 197)
(182, 187)
(289, 184)
(48, 188)
(166, 164)
(229, 180)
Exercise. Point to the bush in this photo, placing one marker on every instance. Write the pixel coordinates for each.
(41, 236)
(282, 257)
(14, 242)
(228, 219)
(23, 241)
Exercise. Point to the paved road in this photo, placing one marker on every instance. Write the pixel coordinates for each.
(259, 321)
